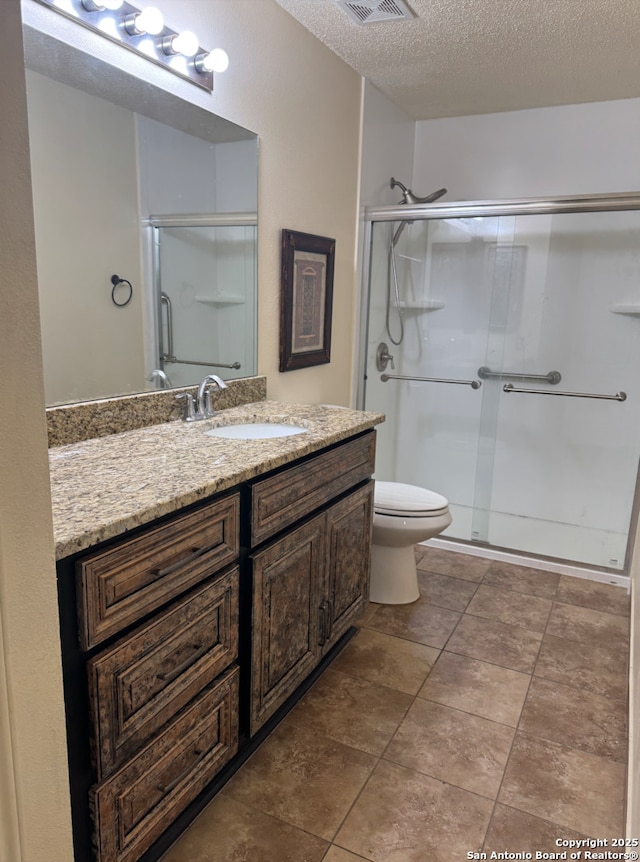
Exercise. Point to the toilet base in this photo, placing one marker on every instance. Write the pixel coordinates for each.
(394, 576)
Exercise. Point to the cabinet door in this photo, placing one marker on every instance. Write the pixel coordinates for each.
(287, 583)
(348, 563)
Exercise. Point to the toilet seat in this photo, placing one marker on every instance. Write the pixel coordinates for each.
(407, 501)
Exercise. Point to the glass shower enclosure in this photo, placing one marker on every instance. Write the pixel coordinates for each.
(204, 295)
(503, 345)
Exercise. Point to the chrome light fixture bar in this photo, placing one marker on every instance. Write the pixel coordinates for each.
(144, 32)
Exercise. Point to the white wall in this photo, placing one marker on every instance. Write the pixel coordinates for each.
(567, 150)
(387, 151)
(34, 807)
(86, 231)
(388, 135)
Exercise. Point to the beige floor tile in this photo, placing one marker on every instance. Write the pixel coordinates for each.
(419, 621)
(514, 609)
(367, 613)
(478, 687)
(592, 594)
(385, 660)
(575, 789)
(513, 831)
(465, 566)
(228, 831)
(302, 778)
(522, 579)
(404, 816)
(507, 646)
(601, 669)
(446, 592)
(352, 711)
(462, 749)
(337, 854)
(576, 718)
(588, 626)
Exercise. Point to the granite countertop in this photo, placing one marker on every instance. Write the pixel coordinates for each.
(103, 487)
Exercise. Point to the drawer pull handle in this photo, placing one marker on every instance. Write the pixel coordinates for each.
(160, 573)
(167, 788)
(198, 651)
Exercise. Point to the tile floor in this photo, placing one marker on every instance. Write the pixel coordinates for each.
(488, 716)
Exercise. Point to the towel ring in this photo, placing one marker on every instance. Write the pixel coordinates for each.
(116, 281)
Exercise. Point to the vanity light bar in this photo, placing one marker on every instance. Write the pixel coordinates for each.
(144, 32)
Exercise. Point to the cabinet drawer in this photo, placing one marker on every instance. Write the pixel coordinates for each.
(119, 585)
(139, 684)
(293, 493)
(134, 807)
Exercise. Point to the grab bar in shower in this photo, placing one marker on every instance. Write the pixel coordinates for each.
(619, 396)
(169, 357)
(474, 384)
(195, 362)
(486, 373)
(165, 300)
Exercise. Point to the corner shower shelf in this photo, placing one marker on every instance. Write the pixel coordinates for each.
(630, 308)
(421, 305)
(221, 300)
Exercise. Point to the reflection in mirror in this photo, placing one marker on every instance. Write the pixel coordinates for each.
(129, 180)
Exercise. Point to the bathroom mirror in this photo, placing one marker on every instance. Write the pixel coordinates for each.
(145, 210)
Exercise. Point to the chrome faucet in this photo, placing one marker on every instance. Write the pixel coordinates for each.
(201, 407)
(204, 403)
(159, 375)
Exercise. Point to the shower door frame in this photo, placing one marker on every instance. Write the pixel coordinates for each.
(607, 202)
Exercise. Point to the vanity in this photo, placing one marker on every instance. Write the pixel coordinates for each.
(203, 585)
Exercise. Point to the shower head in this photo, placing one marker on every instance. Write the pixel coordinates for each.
(409, 198)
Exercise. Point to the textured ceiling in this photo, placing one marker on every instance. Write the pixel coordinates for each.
(459, 57)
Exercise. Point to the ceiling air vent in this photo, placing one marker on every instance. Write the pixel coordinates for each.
(374, 11)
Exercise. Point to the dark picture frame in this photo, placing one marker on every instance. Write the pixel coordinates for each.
(306, 299)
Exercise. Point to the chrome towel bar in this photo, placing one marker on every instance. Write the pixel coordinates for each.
(486, 373)
(619, 396)
(474, 384)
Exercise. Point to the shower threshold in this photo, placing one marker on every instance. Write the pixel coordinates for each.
(546, 564)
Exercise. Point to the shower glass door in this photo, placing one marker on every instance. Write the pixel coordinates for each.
(548, 303)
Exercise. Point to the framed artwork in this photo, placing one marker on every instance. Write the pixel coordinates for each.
(306, 299)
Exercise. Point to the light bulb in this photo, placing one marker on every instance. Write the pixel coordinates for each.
(149, 20)
(215, 61)
(185, 43)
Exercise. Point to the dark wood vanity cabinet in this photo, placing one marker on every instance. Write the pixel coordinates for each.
(311, 582)
(182, 640)
(157, 633)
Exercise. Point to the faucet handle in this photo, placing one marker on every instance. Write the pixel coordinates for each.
(208, 404)
(190, 410)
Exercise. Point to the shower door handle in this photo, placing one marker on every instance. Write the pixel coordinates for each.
(166, 301)
(474, 384)
(619, 396)
(487, 374)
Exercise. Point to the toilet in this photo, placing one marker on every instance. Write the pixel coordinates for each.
(403, 516)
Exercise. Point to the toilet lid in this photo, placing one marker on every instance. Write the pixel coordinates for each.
(395, 498)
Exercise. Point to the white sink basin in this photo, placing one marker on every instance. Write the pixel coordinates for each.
(255, 431)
